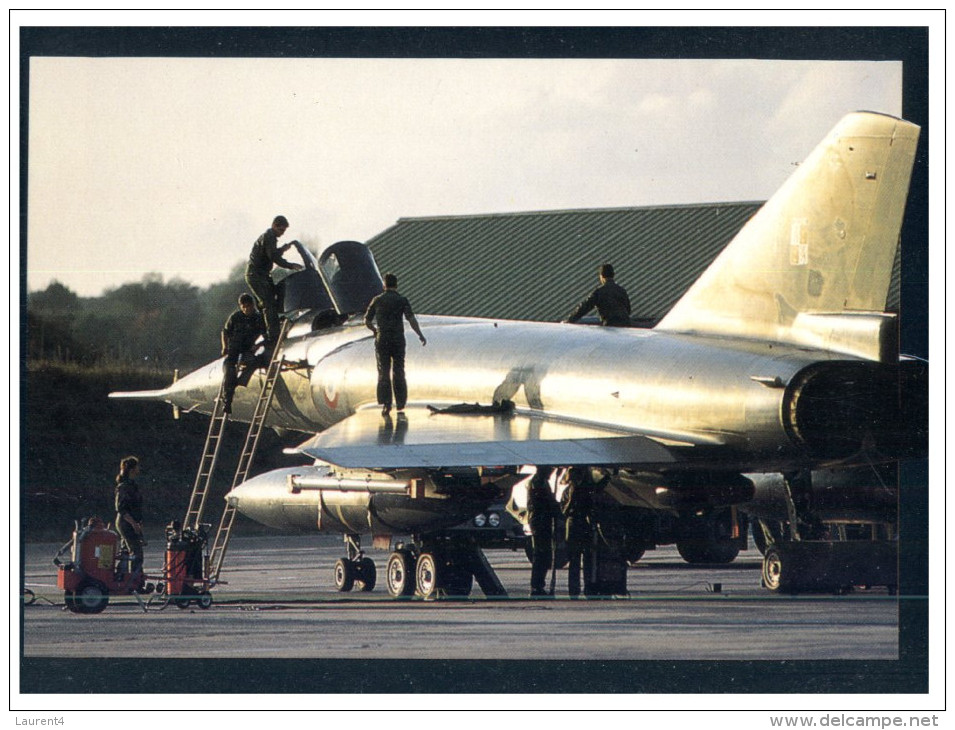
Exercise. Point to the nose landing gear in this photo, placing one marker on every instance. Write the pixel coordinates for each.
(355, 567)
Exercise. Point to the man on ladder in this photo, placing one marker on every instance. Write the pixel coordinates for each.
(239, 336)
(209, 458)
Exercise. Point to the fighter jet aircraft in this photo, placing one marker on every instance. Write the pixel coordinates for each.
(774, 382)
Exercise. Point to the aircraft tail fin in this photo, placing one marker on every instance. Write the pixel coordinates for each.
(812, 267)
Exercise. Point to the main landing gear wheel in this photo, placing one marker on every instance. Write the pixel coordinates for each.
(400, 575)
(436, 573)
(344, 575)
(366, 574)
(427, 575)
(778, 571)
(89, 598)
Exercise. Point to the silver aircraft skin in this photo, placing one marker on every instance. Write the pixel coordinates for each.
(779, 359)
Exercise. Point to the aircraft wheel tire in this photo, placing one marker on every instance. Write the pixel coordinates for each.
(698, 552)
(400, 575)
(90, 597)
(428, 574)
(367, 574)
(344, 575)
(778, 571)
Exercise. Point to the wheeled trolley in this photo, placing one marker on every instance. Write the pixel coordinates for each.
(186, 568)
(97, 567)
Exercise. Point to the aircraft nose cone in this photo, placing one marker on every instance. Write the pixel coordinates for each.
(195, 391)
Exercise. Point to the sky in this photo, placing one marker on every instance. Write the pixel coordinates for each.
(174, 166)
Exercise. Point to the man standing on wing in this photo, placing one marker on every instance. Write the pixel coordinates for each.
(383, 317)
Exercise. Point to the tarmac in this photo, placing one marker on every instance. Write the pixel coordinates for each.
(278, 600)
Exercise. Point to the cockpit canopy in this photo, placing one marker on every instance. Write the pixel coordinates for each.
(345, 278)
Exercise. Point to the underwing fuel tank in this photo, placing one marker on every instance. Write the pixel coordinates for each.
(307, 498)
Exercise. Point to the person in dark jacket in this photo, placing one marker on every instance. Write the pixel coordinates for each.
(239, 335)
(265, 254)
(542, 511)
(577, 504)
(384, 318)
(129, 511)
(610, 299)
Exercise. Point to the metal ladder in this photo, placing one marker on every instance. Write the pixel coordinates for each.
(207, 464)
(248, 451)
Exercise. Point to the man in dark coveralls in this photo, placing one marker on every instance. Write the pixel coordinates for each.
(577, 504)
(239, 336)
(542, 510)
(611, 300)
(383, 317)
(258, 275)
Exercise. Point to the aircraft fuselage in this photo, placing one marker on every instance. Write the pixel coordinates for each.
(757, 401)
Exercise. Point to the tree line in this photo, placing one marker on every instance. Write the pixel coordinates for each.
(151, 323)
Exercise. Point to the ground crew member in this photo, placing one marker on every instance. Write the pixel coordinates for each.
(577, 504)
(258, 275)
(383, 317)
(611, 300)
(542, 510)
(129, 511)
(239, 336)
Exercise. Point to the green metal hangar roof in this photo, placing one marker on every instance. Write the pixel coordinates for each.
(539, 265)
